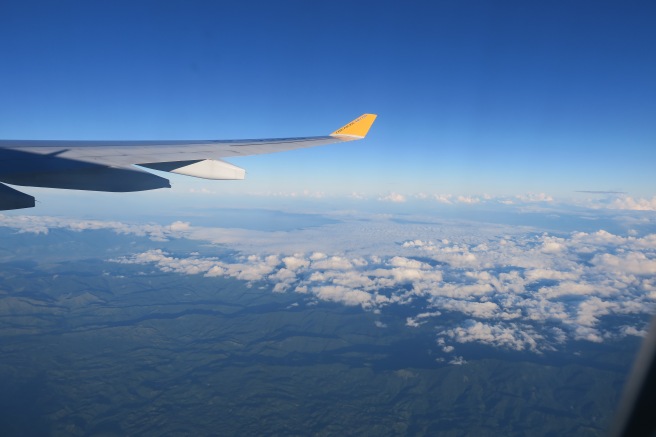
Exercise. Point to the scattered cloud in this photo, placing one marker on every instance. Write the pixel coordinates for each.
(416, 321)
(202, 190)
(635, 263)
(628, 202)
(443, 198)
(308, 194)
(599, 192)
(535, 197)
(393, 197)
(503, 286)
(43, 225)
(457, 361)
(179, 226)
(357, 196)
(468, 199)
(510, 336)
(524, 292)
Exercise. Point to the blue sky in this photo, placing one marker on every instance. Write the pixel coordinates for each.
(502, 98)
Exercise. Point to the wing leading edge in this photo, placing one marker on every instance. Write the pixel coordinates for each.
(110, 165)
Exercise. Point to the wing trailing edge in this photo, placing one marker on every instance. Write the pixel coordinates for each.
(214, 169)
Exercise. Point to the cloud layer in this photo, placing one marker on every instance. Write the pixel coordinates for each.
(526, 292)
(507, 287)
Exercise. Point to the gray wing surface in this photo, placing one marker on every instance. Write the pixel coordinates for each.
(110, 165)
(122, 153)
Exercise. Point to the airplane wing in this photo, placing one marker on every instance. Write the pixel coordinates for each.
(110, 165)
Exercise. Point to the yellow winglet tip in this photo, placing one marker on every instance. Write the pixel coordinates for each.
(358, 127)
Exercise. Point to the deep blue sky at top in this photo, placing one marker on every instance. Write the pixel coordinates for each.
(473, 96)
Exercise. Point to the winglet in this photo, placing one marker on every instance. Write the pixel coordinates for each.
(358, 127)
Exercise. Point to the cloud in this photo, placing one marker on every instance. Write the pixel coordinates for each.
(357, 196)
(628, 202)
(599, 238)
(468, 199)
(503, 286)
(630, 330)
(332, 263)
(526, 201)
(517, 292)
(535, 197)
(251, 268)
(449, 199)
(179, 226)
(443, 198)
(552, 245)
(480, 310)
(308, 194)
(202, 190)
(635, 263)
(337, 293)
(43, 224)
(415, 321)
(535, 275)
(393, 197)
(599, 192)
(511, 336)
(399, 261)
(295, 262)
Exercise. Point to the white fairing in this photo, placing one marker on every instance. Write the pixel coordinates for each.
(212, 169)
